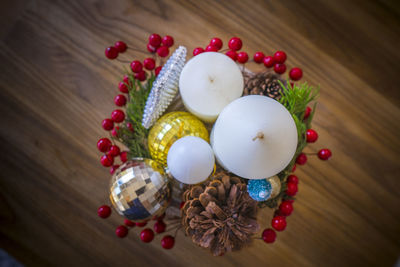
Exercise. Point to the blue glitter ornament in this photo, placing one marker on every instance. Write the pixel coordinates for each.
(259, 190)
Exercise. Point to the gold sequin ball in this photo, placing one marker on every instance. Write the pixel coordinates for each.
(171, 127)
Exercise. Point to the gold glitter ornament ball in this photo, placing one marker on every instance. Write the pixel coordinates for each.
(171, 127)
(275, 184)
(140, 190)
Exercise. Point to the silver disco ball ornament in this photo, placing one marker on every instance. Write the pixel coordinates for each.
(140, 190)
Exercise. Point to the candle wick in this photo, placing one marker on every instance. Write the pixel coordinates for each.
(259, 135)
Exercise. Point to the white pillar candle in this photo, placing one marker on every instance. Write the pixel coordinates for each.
(209, 82)
(254, 137)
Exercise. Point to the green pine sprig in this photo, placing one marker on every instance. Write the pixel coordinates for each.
(296, 98)
(136, 140)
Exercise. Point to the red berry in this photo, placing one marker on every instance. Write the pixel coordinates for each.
(168, 41)
(141, 76)
(149, 63)
(280, 68)
(232, 54)
(126, 80)
(113, 169)
(291, 189)
(129, 223)
(114, 131)
(155, 40)
(111, 52)
(151, 48)
(104, 144)
(159, 227)
(136, 66)
(157, 70)
(268, 61)
(141, 224)
(147, 235)
(104, 211)
(258, 57)
(307, 112)
(311, 135)
(163, 51)
(293, 179)
(295, 74)
(216, 42)
(235, 43)
(269, 235)
(324, 154)
(106, 160)
(242, 57)
(279, 223)
(286, 208)
(120, 100)
(129, 126)
(123, 156)
(197, 50)
(114, 151)
(301, 159)
(294, 167)
(123, 88)
(280, 57)
(121, 231)
(107, 124)
(211, 48)
(167, 242)
(181, 205)
(120, 46)
(117, 115)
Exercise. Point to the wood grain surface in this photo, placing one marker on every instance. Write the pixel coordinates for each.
(56, 87)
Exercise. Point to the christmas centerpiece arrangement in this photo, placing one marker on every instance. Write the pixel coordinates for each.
(204, 143)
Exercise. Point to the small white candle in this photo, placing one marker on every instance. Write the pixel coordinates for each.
(254, 137)
(190, 160)
(209, 82)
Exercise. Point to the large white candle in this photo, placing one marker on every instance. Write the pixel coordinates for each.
(254, 137)
(209, 82)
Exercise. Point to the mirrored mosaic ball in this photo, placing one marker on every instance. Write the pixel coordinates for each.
(140, 190)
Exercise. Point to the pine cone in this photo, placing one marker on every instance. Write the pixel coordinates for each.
(264, 83)
(219, 214)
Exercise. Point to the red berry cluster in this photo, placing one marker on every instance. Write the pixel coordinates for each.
(159, 45)
(113, 51)
(311, 137)
(277, 60)
(234, 44)
(284, 210)
(140, 70)
(147, 235)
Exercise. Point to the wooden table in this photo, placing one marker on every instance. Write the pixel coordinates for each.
(56, 87)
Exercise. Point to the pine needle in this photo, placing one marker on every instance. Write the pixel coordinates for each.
(136, 140)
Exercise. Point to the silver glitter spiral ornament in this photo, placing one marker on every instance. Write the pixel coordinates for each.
(164, 87)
